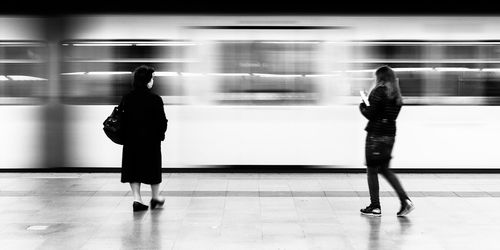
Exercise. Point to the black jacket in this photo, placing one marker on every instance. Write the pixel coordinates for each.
(382, 112)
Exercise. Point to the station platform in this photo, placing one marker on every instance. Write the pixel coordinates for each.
(247, 211)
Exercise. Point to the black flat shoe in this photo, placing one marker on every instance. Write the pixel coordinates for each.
(156, 203)
(139, 206)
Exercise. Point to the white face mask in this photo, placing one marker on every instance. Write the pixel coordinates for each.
(150, 84)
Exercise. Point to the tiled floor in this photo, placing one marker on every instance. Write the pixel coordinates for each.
(247, 211)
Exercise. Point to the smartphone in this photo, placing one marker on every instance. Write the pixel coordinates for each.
(364, 97)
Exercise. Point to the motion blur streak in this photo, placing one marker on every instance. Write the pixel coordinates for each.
(250, 90)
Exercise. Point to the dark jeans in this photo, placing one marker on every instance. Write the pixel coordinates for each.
(378, 152)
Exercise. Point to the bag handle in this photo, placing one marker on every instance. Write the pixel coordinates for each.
(120, 106)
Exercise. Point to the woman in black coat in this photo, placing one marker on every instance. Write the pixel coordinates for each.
(144, 125)
(385, 102)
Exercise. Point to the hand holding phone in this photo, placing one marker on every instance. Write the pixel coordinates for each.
(364, 97)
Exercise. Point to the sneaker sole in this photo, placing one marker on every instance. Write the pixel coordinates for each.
(406, 212)
(370, 214)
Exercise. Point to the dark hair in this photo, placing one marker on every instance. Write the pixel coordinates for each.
(386, 76)
(142, 76)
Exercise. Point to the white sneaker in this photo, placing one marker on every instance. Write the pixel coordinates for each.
(371, 211)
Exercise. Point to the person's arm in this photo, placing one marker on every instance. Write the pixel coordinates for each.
(376, 104)
(162, 123)
(124, 123)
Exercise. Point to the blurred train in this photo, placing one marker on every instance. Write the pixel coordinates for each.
(250, 90)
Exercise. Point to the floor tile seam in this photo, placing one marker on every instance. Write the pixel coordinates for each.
(117, 203)
(246, 193)
(224, 209)
(297, 213)
(260, 217)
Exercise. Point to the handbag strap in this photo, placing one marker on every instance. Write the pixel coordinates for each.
(122, 103)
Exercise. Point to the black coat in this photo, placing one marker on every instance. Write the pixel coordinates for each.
(144, 127)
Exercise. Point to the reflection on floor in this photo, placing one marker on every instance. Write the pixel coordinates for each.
(247, 211)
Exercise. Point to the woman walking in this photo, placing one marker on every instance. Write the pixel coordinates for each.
(385, 102)
(144, 125)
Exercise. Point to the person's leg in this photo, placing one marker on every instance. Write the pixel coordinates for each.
(155, 191)
(156, 200)
(393, 181)
(373, 186)
(406, 204)
(374, 208)
(136, 191)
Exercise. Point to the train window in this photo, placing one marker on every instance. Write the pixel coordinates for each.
(458, 51)
(388, 51)
(432, 69)
(491, 51)
(407, 59)
(23, 72)
(100, 72)
(469, 70)
(264, 72)
(483, 83)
